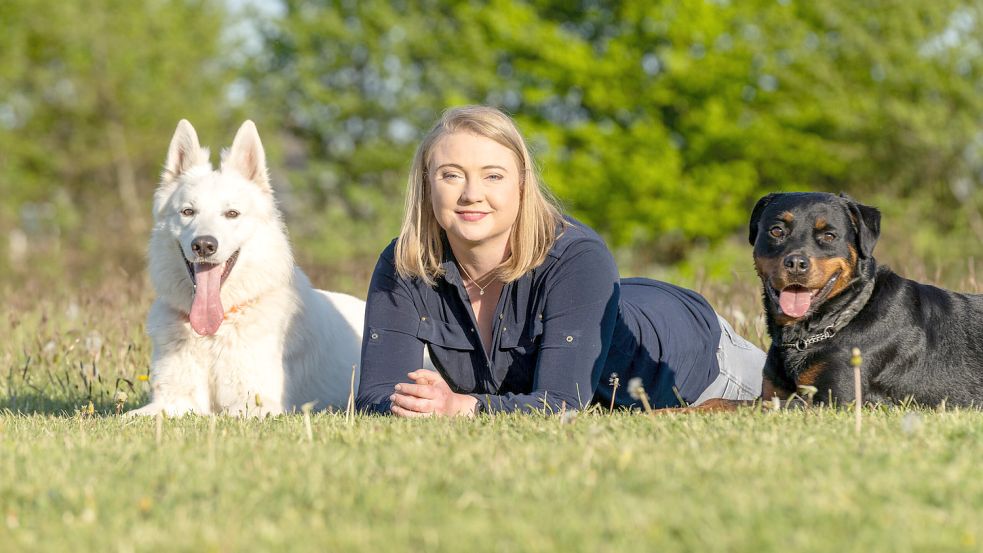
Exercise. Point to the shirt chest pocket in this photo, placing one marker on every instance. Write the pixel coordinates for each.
(536, 336)
(451, 350)
(525, 348)
(445, 335)
(521, 341)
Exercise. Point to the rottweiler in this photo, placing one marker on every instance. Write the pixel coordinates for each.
(825, 294)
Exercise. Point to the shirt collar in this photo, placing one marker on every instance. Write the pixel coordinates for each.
(449, 264)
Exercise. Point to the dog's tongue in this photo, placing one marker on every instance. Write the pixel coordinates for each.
(206, 307)
(795, 301)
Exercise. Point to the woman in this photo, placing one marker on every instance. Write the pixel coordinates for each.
(519, 307)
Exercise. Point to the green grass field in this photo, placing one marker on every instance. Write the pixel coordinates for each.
(83, 479)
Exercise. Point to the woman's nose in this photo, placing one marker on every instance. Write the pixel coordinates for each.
(472, 191)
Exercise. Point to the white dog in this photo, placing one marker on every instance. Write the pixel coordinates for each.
(236, 327)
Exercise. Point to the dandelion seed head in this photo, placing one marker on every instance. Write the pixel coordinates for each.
(93, 342)
(73, 311)
(635, 388)
(911, 423)
(613, 380)
(49, 350)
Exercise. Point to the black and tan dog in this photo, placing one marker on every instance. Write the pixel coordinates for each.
(824, 294)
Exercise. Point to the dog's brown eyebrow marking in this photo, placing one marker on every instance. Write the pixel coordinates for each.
(787, 216)
(821, 223)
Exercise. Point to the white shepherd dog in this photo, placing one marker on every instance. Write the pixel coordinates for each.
(236, 327)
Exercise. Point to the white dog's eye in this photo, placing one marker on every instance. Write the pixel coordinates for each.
(231, 214)
(187, 212)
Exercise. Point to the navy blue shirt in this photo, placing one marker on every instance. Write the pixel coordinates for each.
(559, 332)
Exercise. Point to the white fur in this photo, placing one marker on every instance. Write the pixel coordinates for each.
(288, 344)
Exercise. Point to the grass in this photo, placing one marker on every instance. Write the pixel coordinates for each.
(75, 479)
(799, 481)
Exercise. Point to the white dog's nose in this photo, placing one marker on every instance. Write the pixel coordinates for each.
(204, 246)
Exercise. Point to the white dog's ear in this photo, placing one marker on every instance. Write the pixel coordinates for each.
(184, 153)
(247, 157)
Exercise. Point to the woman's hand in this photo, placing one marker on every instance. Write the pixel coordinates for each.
(429, 395)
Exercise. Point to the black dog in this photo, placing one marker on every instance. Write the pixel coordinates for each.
(824, 295)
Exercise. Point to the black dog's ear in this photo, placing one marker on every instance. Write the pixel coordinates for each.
(756, 216)
(867, 222)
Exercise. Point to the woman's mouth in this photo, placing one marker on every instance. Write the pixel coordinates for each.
(471, 216)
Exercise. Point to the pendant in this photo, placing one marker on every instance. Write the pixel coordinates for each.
(481, 292)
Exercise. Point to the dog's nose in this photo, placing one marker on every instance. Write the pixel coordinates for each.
(796, 264)
(204, 246)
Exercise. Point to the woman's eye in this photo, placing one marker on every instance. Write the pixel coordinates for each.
(776, 231)
(187, 212)
(231, 214)
(495, 176)
(450, 176)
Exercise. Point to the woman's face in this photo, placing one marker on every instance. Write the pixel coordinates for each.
(475, 189)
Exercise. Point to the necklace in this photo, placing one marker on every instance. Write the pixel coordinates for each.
(481, 289)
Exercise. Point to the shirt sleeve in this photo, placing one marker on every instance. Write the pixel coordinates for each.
(390, 347)
(579, 316)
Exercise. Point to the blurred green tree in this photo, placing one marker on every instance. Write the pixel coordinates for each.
(658, 122)
(90, 92)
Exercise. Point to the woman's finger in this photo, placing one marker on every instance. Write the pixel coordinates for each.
(424, 376)
(412, 403)
(425, 391)
(399, 411)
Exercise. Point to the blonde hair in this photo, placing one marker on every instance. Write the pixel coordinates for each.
(420, 246)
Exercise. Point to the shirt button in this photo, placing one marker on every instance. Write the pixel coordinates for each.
(423, 318)
(501, 316)
(540, 316)
(569, 338)
(472, 330)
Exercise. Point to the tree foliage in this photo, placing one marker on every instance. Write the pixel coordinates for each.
(658, 122)
(90, 93)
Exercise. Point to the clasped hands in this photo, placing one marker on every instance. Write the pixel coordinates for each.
(429, 395)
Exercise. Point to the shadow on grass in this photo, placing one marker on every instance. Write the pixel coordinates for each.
(38, 404)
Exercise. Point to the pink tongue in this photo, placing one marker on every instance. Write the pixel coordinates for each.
(795, 301)
(206, 307)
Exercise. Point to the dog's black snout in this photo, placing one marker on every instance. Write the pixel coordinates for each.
(204, 246)
(796, 264)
